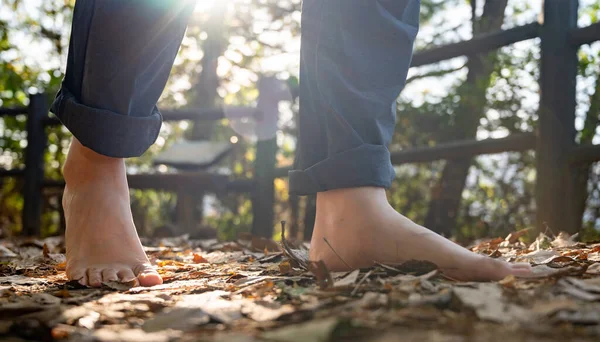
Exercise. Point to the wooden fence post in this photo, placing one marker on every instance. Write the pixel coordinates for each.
(34, 164)
(263, 196)
(556, 126)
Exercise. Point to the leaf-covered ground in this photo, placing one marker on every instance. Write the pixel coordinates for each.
(255, 290)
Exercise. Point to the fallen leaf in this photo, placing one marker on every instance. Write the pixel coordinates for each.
(89, 321)
(495, 254)
(316, 330)
(285, 267)
(564, 240)
(199, 259)
(593, 269)
(45, 251)
(263, 311)
(514, 237)
(588, 285)
(541, 242)
(297, 256)
(45, 299)
(578, 293)
(373, 300)
(62, 331)
(488, 302)
(508, 281)
(120, 286)
(21, 280)
(6, 253)
(163, 263)
(134, 335)
(416, 267)
(219, 309)
(319, 270)
(538, 256)
(594, 257)
(583, 317)
(61, 266)
(559, 261)
(348, 280)
(184, 319)
(547, 308)
(264, 245)
(273, 257)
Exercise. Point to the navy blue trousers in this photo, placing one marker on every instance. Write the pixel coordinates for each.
(355, 57)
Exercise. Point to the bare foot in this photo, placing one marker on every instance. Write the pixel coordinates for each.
(363, 228)
(101, 240)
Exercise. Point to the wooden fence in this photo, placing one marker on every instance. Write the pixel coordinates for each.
(557, 154)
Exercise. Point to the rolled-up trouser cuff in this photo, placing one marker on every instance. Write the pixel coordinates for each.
(366, 165)
(105, 132)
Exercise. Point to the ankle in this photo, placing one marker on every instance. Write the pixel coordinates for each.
(84, 165)
(348, 202)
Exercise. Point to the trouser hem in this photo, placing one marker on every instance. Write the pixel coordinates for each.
(366, 165)
(106, 132)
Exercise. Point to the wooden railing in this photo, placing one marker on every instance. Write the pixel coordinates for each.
(202, 182)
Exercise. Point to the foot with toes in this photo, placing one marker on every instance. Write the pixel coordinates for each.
(357, 227)
(101, 240)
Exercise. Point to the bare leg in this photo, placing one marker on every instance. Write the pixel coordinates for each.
(120, 57)
(101, 239)
(363, 228)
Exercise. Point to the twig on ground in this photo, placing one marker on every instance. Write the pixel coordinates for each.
(361, 282)
(333, 250)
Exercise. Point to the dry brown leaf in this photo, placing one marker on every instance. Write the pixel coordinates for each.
(285, 267)
(120, 286)
(508, 281)
(266, 246)
(559, 261)
(45, 251)
(297, 256)
(514, 237)
(416, 267)
(199, 259)
(163, 263)
(321, 273)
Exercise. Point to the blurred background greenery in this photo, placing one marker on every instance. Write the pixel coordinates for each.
(230, 43)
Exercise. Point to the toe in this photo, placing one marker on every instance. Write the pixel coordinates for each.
(78, 274)
(83, 281)
(109, 274)
(126, 275)
(148, 276)
(521, 270)
(94, 277)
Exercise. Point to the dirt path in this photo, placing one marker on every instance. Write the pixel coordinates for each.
(251, 291)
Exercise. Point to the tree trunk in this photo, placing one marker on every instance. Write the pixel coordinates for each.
(446, 197)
